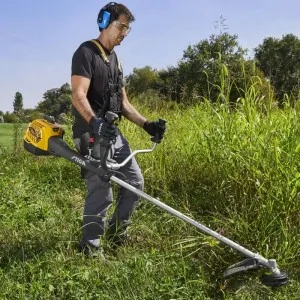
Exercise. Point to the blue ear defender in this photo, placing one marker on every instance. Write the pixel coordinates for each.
(104, 17)
(104, 21)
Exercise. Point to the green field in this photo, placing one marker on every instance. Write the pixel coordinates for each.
(7, 133)
(234, 171)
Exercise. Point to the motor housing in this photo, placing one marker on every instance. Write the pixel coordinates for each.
(37, 135)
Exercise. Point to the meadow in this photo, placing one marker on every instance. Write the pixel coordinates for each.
(234, 170)
(10, 135)
(6, 134)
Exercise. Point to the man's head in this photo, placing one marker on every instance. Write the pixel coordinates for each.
(114, 19)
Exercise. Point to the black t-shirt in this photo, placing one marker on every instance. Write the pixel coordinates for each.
(87, 62)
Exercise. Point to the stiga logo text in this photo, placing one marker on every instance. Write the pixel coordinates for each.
(35, 134)
(78, 160)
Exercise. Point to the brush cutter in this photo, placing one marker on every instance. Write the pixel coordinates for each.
(45, 137)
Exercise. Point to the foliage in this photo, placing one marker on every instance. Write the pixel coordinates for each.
(56, 101)
(31, 114)
(234, 168)
(10, 118)
(9, 139)
(214, 69)
(17, 136)
(27, 115)
(18, 103)
(236, 171)
(169, 84)
(279, 60)
(141, 80)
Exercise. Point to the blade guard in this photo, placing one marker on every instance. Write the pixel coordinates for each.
(243, 266)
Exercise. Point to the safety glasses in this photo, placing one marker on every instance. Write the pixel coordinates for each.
(124, 28)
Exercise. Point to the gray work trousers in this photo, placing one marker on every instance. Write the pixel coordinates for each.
(100, 197)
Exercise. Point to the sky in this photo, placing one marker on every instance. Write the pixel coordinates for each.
(38, 38)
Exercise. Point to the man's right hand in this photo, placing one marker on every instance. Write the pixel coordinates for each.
(103, 129)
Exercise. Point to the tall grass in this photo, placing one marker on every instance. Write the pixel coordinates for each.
(242, 163)
(234, 170)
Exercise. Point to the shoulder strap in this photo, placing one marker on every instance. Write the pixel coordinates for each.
(104, 56)
(119, 65)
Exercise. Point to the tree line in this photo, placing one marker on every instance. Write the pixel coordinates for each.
(216, 69)
(56, 102)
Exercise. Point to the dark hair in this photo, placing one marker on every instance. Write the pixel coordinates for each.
(116, 10)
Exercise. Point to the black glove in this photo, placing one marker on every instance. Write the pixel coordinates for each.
(103, 129)
(155, 129)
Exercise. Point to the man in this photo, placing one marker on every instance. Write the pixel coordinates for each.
(97, 87)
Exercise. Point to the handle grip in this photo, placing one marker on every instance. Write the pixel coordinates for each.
(105, 145)
(111, 117)
(162, 122)
(156, 138)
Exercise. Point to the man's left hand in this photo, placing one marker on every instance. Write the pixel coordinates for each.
(155, 129)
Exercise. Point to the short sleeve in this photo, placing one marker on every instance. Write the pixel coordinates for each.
(121, 76)
(122, 79)
(82, 62)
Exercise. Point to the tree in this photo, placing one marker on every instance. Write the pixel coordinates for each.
(10, 118)
(18, 103)
(56, 101)
(279, 59)
(169, 84)
(31, 114)
(141, 80)
(217, 69)
(206, 65)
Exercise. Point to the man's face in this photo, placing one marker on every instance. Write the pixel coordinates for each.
(118, 29)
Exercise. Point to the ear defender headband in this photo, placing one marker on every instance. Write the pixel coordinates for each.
(104, 17)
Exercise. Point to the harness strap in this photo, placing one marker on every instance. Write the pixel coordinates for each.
(112, 102)
(104, 56)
